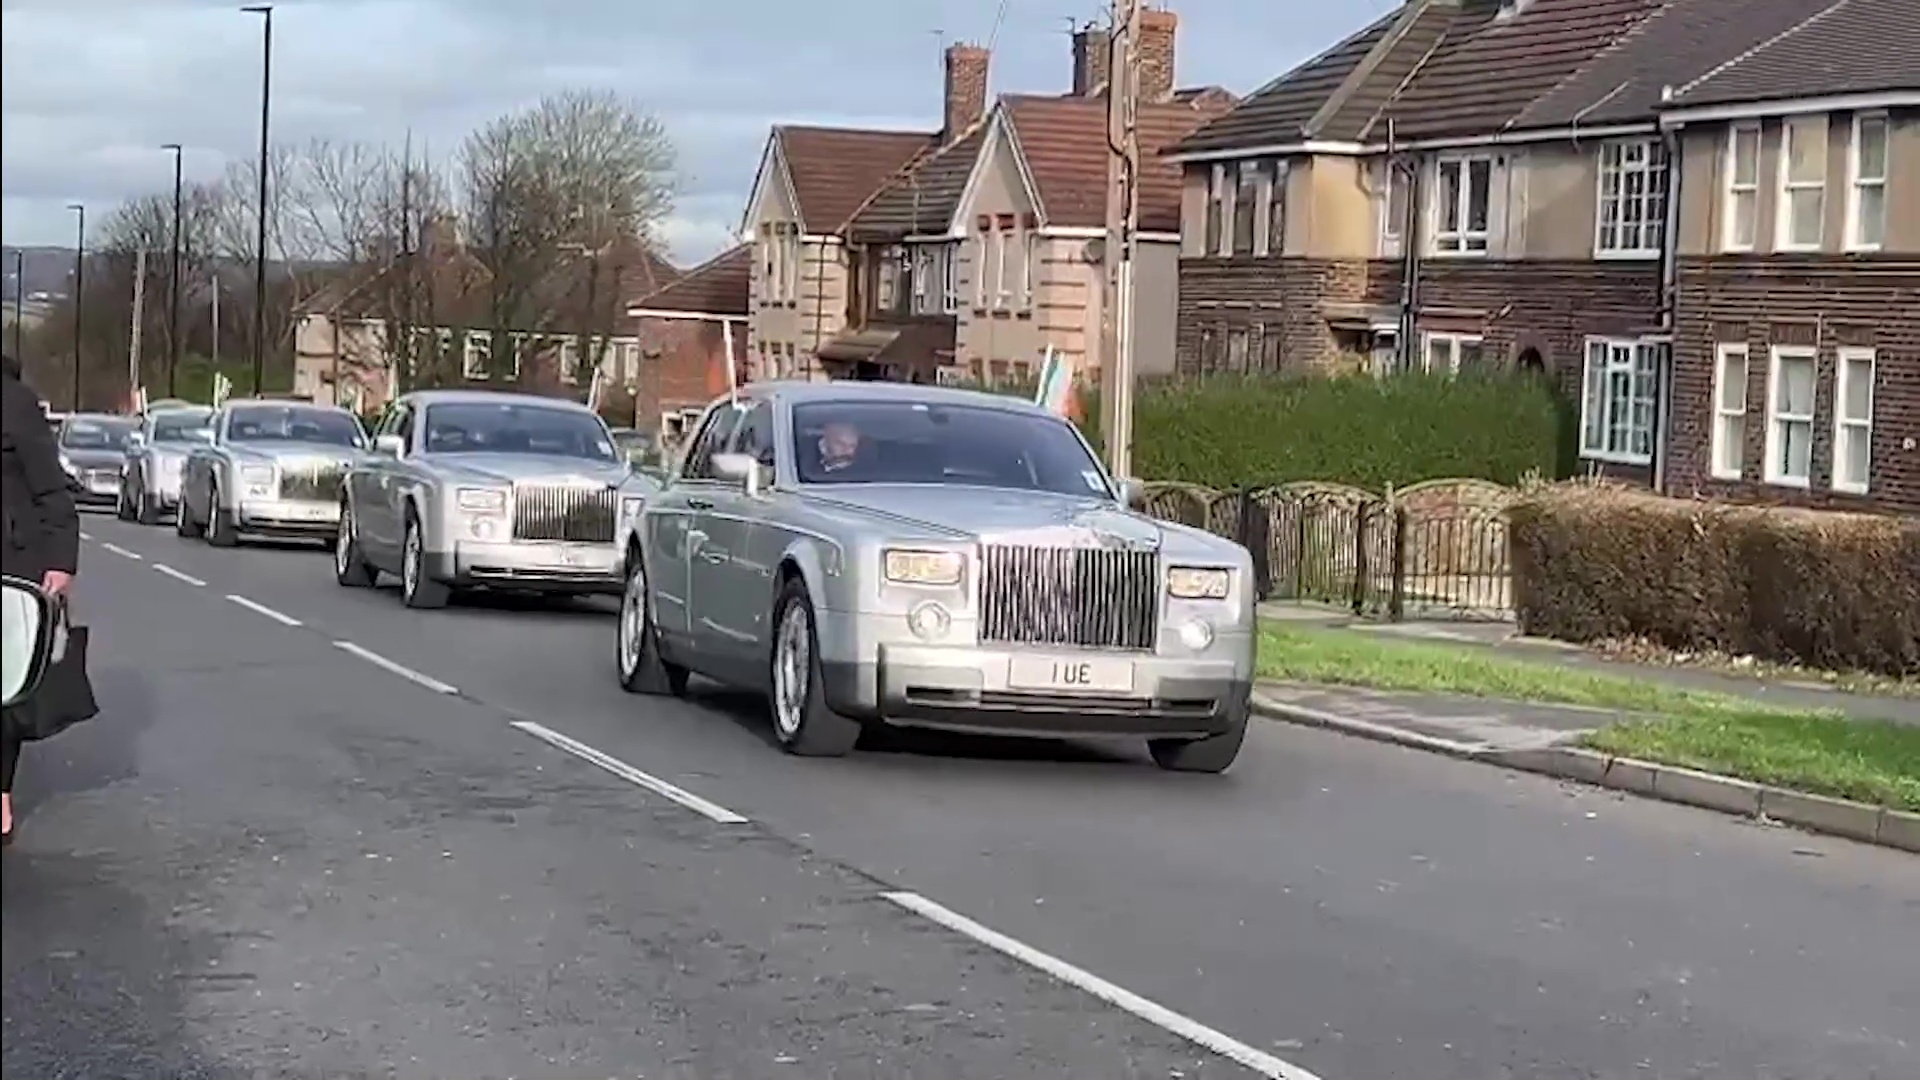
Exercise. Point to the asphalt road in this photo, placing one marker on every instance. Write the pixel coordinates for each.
(272, 856)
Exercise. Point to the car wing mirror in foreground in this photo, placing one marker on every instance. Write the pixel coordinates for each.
(743, 469)
(26, 643)
(387, 445)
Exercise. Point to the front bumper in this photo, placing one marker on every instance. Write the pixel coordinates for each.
(977, 689)
(94, 488)
(556, 566)
(287, 517)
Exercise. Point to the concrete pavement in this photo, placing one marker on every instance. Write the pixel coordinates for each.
(1359, 910)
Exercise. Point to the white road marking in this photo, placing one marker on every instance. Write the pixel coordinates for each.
(399, 669)
(85, 535)
(1158, 1015)
(712, 811)
(279, 617)
(120, 551)
(177, 575)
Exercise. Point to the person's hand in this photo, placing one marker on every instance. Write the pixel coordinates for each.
(56, 582)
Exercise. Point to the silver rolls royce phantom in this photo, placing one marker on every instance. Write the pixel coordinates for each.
(93, 446)
(475, 489)
(876, 553)
(269, 468)
(156, 454)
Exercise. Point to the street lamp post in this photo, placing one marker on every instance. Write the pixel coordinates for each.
(265, 11)
(19, 304)
(173, 278)
(79, 291)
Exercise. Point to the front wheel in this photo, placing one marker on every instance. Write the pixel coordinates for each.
(221, 532)
(350, 566)
(184, 524)
(802, 720)
(637, 646)
(1212, 754)
(418, 590)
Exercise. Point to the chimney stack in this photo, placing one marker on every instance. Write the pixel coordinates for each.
(966, 89)
(1157, 31)
(1091, 55)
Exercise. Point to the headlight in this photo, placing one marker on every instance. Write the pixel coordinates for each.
(1198, 582)
(67, 464)
(257, 475)
(925, 567)
(481, 500)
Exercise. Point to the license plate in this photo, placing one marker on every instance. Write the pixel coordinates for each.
(308, 512)
(1086, 674)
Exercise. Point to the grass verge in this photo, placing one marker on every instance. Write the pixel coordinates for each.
(1818, 752)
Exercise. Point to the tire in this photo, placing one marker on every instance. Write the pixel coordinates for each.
(220, 530)
(350, 566)
(183, 524)
(802, 720)
(1212, 754)
(418, 590)
(636, 644)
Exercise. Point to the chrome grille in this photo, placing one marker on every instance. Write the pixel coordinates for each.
(311, 481)
(103, 476)
(1094, 598)
(554, 512)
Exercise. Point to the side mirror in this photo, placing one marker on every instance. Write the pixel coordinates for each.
(26, 640)
(389, 445)
(740, 467)
(135, 441)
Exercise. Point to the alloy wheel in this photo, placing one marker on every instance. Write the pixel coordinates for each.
(792, 668)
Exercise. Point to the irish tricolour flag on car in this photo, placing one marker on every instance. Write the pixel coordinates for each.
(1055, 392)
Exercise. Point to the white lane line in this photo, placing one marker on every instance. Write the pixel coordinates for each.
(712, 811)
(177, 575)
(85, 535)
(276, 616)
(120, 551)
(1158, 1015)
(399, 669)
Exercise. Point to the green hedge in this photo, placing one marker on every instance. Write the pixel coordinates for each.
(1230, 431)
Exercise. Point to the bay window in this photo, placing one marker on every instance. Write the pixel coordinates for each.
(1617, 399)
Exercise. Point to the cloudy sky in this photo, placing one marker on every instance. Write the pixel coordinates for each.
(92, 88)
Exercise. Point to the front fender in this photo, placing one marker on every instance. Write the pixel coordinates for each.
(820, 566)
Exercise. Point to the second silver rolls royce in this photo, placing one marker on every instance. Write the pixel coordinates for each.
(270, 468)
(476, 489)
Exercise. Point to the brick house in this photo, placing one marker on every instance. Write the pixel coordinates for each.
(1469, 182)
(685, 329)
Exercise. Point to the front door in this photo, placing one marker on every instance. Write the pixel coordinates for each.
(677, 539)
(734, 589)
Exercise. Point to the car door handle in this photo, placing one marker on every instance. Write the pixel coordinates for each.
(699, 504)
(713, 554)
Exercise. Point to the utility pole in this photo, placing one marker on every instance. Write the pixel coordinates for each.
(1118, 255)
(173, 277)
(19, 304)
(216, 319)
(79, 291)
(265, 11)
(139, 323)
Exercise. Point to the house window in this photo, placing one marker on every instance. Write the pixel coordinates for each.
(769, 288)
(570, 361)
(790, 256)
(1790, 386)
(1393, 208)
(1246, 205)
(1462, 201)
(629, 362)
(1867, 197)
(980, 253)
(1029, 266)
(1803, 182)
(1632, 218)
(1617, 400)
(1004, 256)
(1216, 209)
(477, 356)
(1273, 240)
(1384, 354)
(950, 278)
(1743, 188)
(1853, 420)
(1729, 442)
(922, 279)
(1451, 352)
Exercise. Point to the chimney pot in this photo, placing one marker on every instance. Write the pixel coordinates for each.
(966, 89)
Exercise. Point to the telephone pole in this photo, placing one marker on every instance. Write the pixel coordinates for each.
(134, 380)
(1123, 218)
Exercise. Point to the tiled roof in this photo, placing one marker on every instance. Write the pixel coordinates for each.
(715, 287)
(923, 199)
(1841, 47)
(1490, 70)
(1064, 141)
(1350, 114)
(835, 170)
(1278, 112)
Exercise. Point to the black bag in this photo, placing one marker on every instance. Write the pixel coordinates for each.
(65, 696)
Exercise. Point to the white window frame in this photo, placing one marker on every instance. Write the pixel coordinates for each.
(1847, 429)
(1461, 242)
(1653, 169)
(1619, 356)
(1856, 182)
(922, 278)
(1029, 250)
(1273, 201)
(1725, 417)
(1456, 345)
(1776, 421)
(476, 356)
(629, 362)
(1002, 268)
(980, 261)
(569, 361)
(1783, 225)
(1735, 189)
(950, 279)
(1246, 181)
(1393, 226)
(1216, 232)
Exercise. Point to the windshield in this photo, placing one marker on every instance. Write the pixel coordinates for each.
(182, 427)
(293, 423)
(507, 428)
(913, 442)
(88, 433)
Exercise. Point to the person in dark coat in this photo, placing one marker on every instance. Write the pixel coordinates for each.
(40, 542)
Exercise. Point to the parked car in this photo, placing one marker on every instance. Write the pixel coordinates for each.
(473, 489)
(883, 553)
(270, 468)
(156, 454)
(93, 446)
